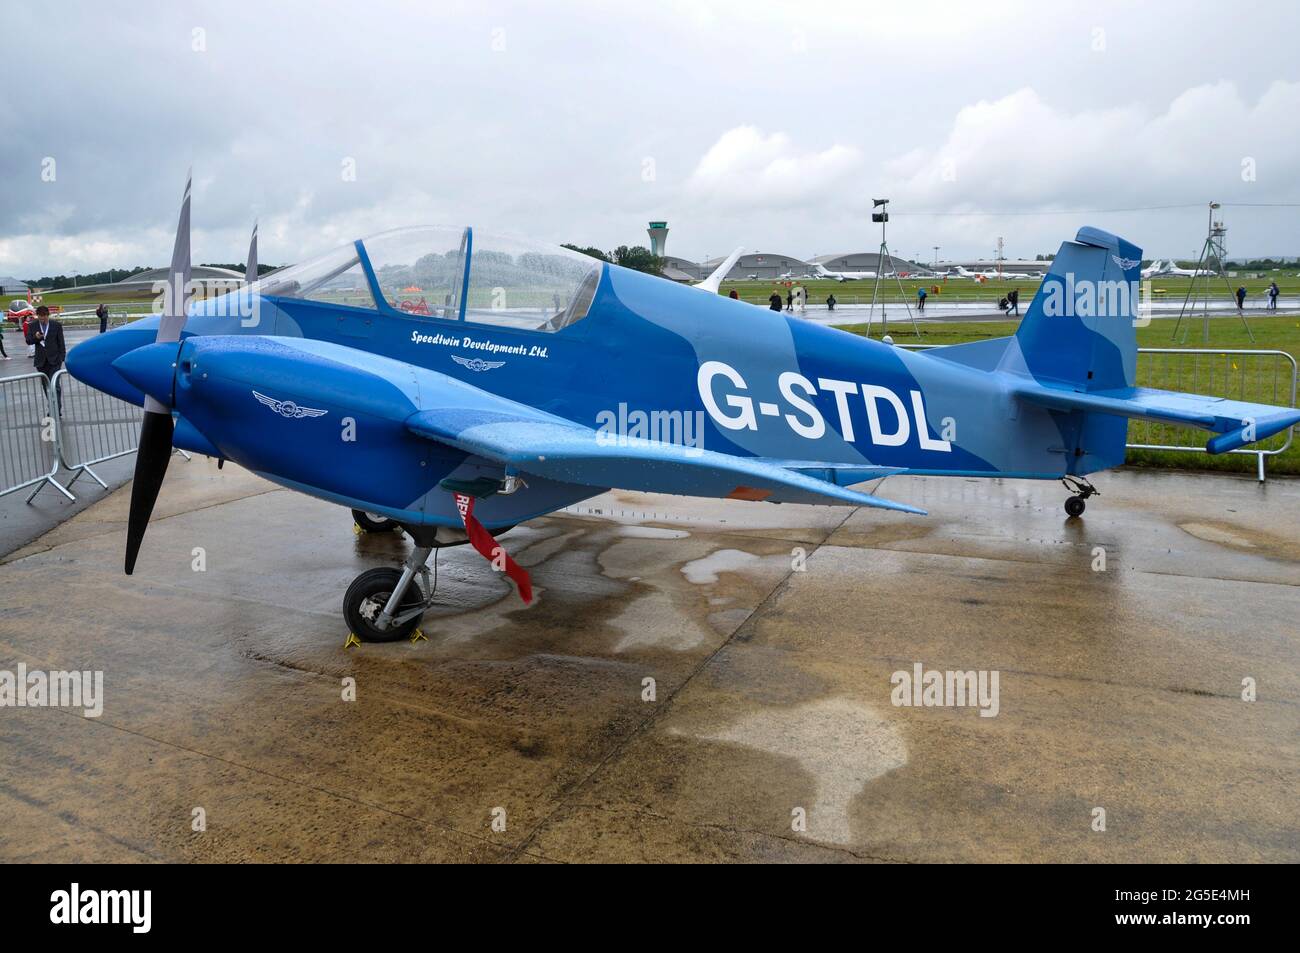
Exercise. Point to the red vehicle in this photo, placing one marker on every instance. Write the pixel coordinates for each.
(21, 312)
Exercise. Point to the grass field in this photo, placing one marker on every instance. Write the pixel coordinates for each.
(1264, 380)
(966, 290)
(846, 292)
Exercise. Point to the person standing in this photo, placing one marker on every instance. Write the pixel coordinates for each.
(1013, 301)
(1241, 298)
(774, 302)
(921, 295)
(102, 313)
(4, 323)
(789, 299)
(46, 336)
(1272, 296)
(830, 301)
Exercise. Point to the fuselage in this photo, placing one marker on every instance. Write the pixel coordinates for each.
(649, 358)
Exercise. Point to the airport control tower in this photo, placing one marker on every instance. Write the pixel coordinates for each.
(658, 232)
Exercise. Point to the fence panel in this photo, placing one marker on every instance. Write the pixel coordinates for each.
(29, 453)
(94, 427)
(1255, 376)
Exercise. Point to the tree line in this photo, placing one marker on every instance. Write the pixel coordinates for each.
(59, 282)
(636, 257)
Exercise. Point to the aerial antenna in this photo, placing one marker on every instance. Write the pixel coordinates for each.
(1213, 252)
(882, 256)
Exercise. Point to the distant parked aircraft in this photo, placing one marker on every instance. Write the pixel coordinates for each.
(1167, 269)
(823, 272)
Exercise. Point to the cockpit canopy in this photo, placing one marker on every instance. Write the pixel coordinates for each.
(453, 274)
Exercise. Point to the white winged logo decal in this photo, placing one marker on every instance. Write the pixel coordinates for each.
(287, 408)
(476, 363)
(1125, 263)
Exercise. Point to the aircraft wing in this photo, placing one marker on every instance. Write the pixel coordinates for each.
(536, 442)
(1237, 422)
(714, 281)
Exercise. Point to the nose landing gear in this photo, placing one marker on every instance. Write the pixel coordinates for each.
(1082, 489)
(385, 604)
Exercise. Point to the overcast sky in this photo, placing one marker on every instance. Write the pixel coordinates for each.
(746, 123)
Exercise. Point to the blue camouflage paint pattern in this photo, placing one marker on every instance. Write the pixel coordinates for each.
(792, 411)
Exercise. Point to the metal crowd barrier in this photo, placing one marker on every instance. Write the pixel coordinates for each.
(88, 428)
(1253, 375)
(95, 427)
(29, 436)
(1256, 376)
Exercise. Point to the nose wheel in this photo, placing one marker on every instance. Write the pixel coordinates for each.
(386, 604)
(1082, 489)
(364, 603)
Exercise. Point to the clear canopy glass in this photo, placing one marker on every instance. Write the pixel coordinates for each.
(521, 284)
(453, 274)
(420, 270)
(334, 278)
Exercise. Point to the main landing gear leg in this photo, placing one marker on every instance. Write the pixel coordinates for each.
(1082, 489)
(384, 605)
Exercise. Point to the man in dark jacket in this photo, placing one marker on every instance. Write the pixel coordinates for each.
(47, 337)
(774, 302)
(1241, 297)
(102, 313)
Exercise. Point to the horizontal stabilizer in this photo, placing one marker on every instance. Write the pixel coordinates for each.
(1237, 422)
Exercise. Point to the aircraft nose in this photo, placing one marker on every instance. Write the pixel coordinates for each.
(91, 361)
(151, 369)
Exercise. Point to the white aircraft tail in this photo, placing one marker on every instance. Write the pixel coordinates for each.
(714, 281)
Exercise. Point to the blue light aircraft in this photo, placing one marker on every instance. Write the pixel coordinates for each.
(459, 384)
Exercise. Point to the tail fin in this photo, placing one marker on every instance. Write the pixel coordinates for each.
(1079, 329)
(714, 281)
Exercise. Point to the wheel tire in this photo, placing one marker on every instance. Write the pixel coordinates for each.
(1075, 506)
(370, 523)
(366, 598)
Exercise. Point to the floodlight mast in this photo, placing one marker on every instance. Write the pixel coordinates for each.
(882, 256)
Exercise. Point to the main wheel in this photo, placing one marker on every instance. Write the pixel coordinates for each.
(373, 522)
(366, 598)
(1074, 506)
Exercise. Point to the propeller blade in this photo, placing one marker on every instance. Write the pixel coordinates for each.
(155, 447)
(151, 460)
(250, 270)
(178, 275)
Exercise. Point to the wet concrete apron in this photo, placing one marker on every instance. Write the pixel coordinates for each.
(697, 680)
